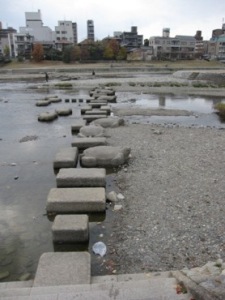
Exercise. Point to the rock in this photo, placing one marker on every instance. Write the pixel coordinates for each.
(112, 196)
(91, 131)
(120, 197)
(118, 207)
(64, 111)
(47, 117)
(109, 122)
(43, 103)
(104, 156)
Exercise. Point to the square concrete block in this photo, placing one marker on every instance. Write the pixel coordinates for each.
(84, 143)
(76, 200)
(82, 177)
(90, 118)
(66, 158)
(76, 126)
(63, 268)
(70, 229)
(97, 104)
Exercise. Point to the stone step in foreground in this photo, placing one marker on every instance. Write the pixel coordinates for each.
(153, 289)
(63, 268)
(82, 177)
(76, 200)
(83, 143)
(66, 158)
(70, 229)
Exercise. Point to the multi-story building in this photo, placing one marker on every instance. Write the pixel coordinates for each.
(179, 47)
(216, 45)
(131, 39)
(65, 34)
(6, 40)
(34, 27)
(75, 37)
(90, 30)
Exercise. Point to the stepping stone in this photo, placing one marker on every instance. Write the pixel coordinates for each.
(86, 142)
(97, 104)
(66, 158)
(106, 108)
(84, 109)
(90, 118)
(107, 98)
(43, 103)
(76, 200)
(104, 156)
(55, 100)
(63, 268)
(110, 122)
(89, 100)
(83, 177)
(92, 131)
(95, 112)
(98, 101)
(75, 127)
(64, 111)
(70, 229)
(47, 117)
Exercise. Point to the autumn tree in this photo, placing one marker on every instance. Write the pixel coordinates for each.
(75, 53)
(38, 52)
(111, 50)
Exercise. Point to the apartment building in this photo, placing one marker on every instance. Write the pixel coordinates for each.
(130, 39)
(66, 34)
(178, 47)
(90, 30)
(6, 40)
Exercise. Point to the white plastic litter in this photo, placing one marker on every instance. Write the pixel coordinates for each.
(99, 248)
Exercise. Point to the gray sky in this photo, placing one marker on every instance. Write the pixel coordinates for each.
(183, 17)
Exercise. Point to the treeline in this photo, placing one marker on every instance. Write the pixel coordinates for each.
(88, 50)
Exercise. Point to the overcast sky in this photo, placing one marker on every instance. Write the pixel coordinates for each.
(183, 17)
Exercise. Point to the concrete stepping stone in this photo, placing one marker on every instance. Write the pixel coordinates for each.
(110, 122)
(77, 124)
(104, 156)
(84, 109)
(106, 108)
(111, 99)
(93, 101)
(82, 177)
(97, 104)
(42, 103)
(66, 158)
(55, 100)
(96, 112)
(70, 229)
(64, 111)
(47, 117)
(76, 200)
(83, 143)
(63, 268)
(90, 118)
(91, 131)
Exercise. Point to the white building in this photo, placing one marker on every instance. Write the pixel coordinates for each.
(64, 34)
(34, 27)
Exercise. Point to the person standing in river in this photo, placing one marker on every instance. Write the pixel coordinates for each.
(46, 76)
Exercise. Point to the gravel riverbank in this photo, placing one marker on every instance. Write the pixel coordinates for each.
(173, 212)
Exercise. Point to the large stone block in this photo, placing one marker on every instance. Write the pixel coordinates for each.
(47, 117)
(84, 109)
(63, 268)
(75, 127)
(98, 104)
(66, 158)
(92, 131)
(70, 229)
(109, 122)
(96, 112)
(90, 118)
(84, 143)
(76, 200)
(104, 156)
(81, 177)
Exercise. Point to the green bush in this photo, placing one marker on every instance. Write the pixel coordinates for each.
(220, 107)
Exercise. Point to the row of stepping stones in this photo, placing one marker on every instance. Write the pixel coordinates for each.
(81, 190)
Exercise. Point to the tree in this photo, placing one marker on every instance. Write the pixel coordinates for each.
(122, 55)
(146, 42)
(38, 52)
(6, 51)
(67, 54)
(75, 53)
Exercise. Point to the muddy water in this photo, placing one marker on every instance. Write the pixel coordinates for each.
(27, 149)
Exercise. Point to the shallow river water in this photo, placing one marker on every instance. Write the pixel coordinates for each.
(27, 150)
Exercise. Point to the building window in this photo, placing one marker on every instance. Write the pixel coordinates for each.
(63, 32)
